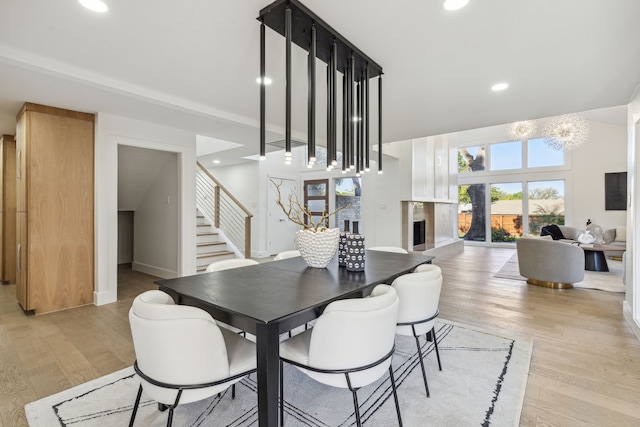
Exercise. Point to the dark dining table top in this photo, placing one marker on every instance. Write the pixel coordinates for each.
(277, 290)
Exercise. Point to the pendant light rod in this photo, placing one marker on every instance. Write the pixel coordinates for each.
(263, 126)
(329, 108)
(358, 124)
(380, 124)
(287, 36)
(366, 118)
(311, 127)
(352, 151)
(345, 123)
(334, 103)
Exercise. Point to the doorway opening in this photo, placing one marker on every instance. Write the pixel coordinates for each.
(148, 215)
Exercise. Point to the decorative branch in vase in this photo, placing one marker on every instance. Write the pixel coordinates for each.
(297, 211)
(316, 242)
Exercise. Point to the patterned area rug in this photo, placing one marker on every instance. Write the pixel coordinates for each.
(482, 383)
(603, 280)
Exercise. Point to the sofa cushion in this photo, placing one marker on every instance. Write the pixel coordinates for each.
(533, 236)
(621, 234)
(609, 236)
(570, 233)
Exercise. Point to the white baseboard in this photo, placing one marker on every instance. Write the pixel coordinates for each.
(154, 271)
(101, 298)
(635, 327)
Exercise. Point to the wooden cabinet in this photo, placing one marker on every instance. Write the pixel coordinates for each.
(7, 209)
(55, 208)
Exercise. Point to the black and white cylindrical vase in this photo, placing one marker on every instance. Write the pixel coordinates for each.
(342, 245)
(355, 256)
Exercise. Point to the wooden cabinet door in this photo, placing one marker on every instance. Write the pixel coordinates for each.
(60, 211)
(22, 291)
(21, 163)
(8, 223)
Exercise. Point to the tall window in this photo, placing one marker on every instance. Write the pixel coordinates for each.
(500, 193)
(506, 211)
(546, 204)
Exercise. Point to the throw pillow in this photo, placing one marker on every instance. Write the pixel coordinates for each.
(621, 233)
(609, 236)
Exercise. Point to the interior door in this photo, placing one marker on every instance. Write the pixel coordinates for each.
(281, 231)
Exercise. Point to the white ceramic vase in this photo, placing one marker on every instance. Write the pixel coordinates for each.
(318, 248)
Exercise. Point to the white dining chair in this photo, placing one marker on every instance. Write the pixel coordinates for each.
(182, 355)
(389, 249)
(350, 346)
(287, 254)
(419, 294)
(434, 269)
(227, 264)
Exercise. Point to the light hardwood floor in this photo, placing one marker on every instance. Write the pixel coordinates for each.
(585, 369)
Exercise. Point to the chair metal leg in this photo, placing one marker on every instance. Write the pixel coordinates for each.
(395, 395)
(233, 391)
(356, 407)
(170, 419)
(281, 395)
(172, 407)
(424, 375)
(135, 406)
(435, 344)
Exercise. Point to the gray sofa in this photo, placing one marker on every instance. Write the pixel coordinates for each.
(612, 237)
(550, 263)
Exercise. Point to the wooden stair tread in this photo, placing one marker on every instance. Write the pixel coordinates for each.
(215, 254)
(218, 242)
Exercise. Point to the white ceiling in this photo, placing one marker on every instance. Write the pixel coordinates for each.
(193, 65)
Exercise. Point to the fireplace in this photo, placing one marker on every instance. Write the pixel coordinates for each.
(417, 225)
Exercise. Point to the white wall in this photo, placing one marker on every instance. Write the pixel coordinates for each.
(125, 237)
(156, 225)
(632, 298)
(112, 131)
(604, 151)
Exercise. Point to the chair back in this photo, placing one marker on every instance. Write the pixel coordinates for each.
(419, 294)
(176, 344)
(434, 269)
(389, 249)
(287, 254)
(227, 264)
(354, 333)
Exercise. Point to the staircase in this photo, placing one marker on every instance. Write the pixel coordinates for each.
(210, 247)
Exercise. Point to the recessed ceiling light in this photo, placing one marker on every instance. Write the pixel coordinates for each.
(95, 5)
(454, 4)
(499, 86)
(216, 161)
(267, 81)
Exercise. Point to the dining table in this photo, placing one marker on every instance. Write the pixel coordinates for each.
(271, 298)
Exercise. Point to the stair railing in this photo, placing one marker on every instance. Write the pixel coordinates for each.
(223, 210)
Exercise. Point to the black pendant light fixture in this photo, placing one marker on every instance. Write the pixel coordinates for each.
(300, 26)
